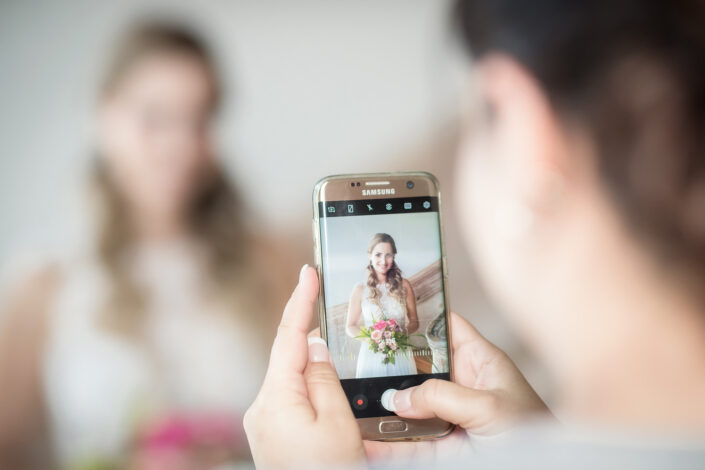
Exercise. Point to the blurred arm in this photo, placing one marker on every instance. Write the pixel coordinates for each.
(22, 333)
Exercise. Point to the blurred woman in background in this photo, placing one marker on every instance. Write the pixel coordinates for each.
(146, 352)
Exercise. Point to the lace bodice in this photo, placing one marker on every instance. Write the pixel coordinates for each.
(391, 307)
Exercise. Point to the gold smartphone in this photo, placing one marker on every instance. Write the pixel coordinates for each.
(383, 302)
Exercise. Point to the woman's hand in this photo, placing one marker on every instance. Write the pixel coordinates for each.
(301, 416)
(489, 395)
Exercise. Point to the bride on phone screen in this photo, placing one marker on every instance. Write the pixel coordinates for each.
(385, 295)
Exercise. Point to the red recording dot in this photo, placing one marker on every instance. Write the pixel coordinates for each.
(360, 402)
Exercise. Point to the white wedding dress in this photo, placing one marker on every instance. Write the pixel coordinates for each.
(369, 363)
(100, 388)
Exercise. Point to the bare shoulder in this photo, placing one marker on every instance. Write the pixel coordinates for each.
(357, 291)
(407, 285)
(25, 299)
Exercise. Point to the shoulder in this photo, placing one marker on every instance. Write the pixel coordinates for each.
(358, 290)
(406, 284)
(26, 295)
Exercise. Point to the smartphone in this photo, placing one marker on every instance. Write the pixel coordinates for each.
(383, 301)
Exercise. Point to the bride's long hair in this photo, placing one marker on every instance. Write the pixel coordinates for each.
(396, 287)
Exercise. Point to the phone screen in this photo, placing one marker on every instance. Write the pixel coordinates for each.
(383, 289)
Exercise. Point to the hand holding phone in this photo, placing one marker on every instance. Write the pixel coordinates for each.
(489, 396)
(301, 417)
(304, 414)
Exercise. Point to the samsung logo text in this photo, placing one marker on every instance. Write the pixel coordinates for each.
(377, 192)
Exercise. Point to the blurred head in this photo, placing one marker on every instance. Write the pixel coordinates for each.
(155, 113)
(588, 147)
(381, 252)
(156, 174)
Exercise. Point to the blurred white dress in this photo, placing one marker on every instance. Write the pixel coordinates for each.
(369, 363)
(102, 388)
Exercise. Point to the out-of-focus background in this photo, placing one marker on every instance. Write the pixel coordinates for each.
(312, 88)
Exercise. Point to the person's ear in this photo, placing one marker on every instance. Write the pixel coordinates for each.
(524, 131)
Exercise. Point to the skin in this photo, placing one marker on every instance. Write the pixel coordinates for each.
(153, 130)
(154, 134)
(605, 317)
(609, 352)
(382, 260)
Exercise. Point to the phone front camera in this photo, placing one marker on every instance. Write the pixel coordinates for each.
(410, 184)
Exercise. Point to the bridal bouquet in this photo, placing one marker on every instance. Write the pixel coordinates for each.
(387, 338)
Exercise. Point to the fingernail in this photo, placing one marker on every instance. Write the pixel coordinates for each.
(317, 350)
(301, 273)
(402, 400)
(387, 399)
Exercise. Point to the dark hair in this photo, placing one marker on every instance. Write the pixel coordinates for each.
(632, 74)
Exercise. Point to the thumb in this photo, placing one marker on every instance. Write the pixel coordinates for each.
(473, 410)
(324, 389)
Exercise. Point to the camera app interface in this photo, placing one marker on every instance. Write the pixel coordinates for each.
(383, 292)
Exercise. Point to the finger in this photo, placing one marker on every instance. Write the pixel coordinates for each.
(315, 333)
(324, 389)
(469, 408)
(290, 349)
(462, 332)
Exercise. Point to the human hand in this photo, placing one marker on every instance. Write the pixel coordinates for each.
(301, 416)
(489, 396)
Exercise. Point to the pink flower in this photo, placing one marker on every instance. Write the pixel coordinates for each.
(376, 335)
(393, 346)
(387, 334)
(392, 322)
(380, 325)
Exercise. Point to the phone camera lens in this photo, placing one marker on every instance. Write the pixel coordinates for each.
(410, 184)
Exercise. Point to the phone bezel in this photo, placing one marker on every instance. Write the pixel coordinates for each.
(338, 188)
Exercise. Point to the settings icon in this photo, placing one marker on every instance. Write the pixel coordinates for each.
(388, 206)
